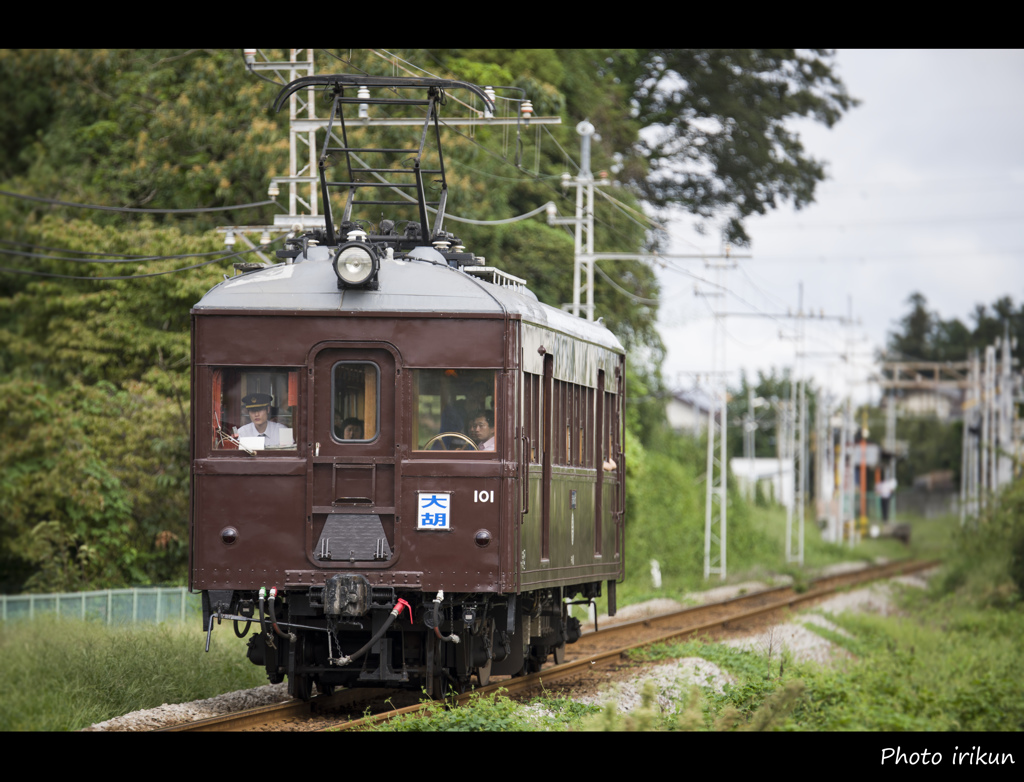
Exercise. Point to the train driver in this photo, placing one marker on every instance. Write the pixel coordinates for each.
(481, 429)
(258, 407)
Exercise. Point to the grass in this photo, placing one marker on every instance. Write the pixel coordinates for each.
(954, 666)
(493, 712)
(67, 674)
(757, 546)
(941, 671)
(949, 662)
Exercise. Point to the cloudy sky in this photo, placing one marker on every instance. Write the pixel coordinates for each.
(925, 193)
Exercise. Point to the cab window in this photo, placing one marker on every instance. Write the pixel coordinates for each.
(255, 409)
(455, 410)
(355, 405)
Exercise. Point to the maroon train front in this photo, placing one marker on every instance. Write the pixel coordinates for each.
(403, 464)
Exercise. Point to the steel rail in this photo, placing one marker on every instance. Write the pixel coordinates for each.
(784, 598)
(661, 628)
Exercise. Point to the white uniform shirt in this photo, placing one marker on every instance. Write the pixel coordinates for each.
(272, 435)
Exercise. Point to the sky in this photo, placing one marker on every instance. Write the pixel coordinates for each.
(924, 193)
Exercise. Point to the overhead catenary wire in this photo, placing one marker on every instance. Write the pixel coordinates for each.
(34, 273)
(637, 217)
(136, 210)
(116, 258)
(624, 292)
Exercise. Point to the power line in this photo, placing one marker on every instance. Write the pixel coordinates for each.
(913, 221)
(34, 273)
(117, 258)
(134, 210)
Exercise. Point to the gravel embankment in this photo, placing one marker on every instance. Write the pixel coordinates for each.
(673, 679)
(177, 713)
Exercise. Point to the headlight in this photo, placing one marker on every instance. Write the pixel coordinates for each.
(355, 264)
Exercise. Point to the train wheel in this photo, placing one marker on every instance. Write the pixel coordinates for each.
(534, 660)
(559, 653)
(442, 685)
(302, 687)
(483, 674)
(436, 689)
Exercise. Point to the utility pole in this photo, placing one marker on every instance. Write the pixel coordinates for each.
(749, 450)
(303, 175)
(584, 256)
(716, 496)
(1005, 410)
(798, 447)
(793, 430)
(583, 222)
(864, 469)
(825, 453)
(847, 428)
(970, 479)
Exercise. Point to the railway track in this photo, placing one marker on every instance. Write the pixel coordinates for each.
(594, 651)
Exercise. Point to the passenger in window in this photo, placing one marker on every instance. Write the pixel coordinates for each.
(258, 407)
(352, 429)
(481, 429)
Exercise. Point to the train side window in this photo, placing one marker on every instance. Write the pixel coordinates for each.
(355, 400)
(255, 408)
(455, 410)
(532, 415)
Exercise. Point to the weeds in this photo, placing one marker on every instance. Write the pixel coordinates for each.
(492, 712)
(65, 674)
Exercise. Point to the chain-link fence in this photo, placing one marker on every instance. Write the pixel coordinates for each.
(111, 606)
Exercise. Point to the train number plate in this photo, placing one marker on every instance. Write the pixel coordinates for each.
(433, 510)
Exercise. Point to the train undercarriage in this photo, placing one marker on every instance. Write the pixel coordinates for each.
(351, 634)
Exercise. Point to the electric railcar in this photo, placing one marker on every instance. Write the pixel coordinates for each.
(403, 464)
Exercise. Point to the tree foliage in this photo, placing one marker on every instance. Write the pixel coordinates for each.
(773, 396)
(721, 138)
(95, 384)
(94, 413)
(923, 335)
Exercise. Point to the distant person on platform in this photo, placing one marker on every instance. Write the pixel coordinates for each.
(260, 425)
(884, 491)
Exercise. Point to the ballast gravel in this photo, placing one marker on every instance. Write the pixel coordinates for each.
(671, 680)
(177, 713)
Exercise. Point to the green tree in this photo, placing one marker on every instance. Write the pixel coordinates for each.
(141, 128)
(915, 341)
(94, 406)
(719, 138)
(922, 335)
(775, 391)
(94, 373)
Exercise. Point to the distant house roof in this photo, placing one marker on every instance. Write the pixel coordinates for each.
(694, 397)
(687, 411)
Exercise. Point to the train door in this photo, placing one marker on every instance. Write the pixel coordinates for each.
(353, 481)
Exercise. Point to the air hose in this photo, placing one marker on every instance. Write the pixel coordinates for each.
(263, 619)
(453, 638)
(273, 619)
(346, 659)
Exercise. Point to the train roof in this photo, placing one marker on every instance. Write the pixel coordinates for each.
(420, 281)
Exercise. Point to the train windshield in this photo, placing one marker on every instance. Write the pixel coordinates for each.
(255, 409)
(454, 409)
(355, 395)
